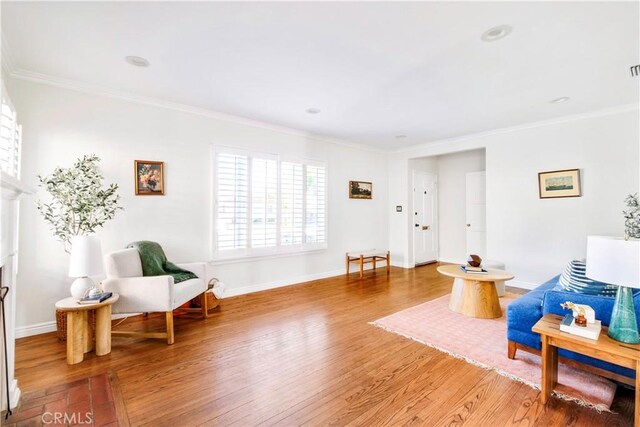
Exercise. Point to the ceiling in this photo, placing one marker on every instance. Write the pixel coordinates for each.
(375, 69)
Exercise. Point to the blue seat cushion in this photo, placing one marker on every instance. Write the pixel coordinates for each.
(524, 312)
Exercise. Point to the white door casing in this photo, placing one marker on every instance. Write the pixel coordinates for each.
(425, 216)
(476, 208)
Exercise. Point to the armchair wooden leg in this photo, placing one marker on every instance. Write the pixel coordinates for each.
(203, 304)
(170, 336)
(511, 351)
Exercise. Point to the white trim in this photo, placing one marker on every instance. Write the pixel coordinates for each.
(453, 260)
(243, 290)
(7, 58)
(14, 394)
(517, 128)
(99, 90)
(401, 264)
(521, 284)
(46, 327)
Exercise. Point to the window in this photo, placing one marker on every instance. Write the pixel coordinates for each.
(10, 136)
(265, 206)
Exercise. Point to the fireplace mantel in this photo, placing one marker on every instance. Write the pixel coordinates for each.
(11, 191)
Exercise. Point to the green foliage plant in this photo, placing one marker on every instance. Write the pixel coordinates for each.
(79, 202)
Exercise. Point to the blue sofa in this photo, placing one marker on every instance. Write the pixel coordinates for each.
(525, 311)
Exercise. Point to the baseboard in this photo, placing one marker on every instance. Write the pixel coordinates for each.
(14, 396)
(521, 284)
(401, 264)
(452, 260)
(46, 327)
(242, 290)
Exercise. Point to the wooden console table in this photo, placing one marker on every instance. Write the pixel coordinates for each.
(80, 334)
(604, 348)
(370, 256)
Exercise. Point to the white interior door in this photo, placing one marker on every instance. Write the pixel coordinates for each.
(425, 237)
(476, 214)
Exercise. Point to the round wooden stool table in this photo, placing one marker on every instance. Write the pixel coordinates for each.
(80, 334)
(474, 294)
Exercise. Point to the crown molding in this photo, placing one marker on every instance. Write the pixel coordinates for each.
(6, 57)
(525, 126)
(104, 91)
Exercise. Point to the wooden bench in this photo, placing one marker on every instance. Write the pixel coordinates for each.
(368, 256)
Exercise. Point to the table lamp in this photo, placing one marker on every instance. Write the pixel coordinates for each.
(86, 260)
(616, 261)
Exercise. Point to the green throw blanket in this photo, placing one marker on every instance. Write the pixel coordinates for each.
(154, 262)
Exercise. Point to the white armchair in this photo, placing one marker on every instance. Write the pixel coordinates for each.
(140, 294)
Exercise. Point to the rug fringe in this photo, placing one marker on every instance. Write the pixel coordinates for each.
(581, 402)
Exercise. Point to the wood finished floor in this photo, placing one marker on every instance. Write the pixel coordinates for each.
(306, 355)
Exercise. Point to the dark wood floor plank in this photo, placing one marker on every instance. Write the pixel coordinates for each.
(304, 355)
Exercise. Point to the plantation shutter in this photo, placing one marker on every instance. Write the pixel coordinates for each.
(232, 201)
(264, 203)
(315, 204)
(291, 203)
(10, 137)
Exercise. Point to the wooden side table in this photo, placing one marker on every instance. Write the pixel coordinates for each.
(475, 295)
(604, 348)
(80, 334)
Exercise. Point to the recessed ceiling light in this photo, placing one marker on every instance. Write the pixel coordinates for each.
(400, 136)
(137, 61)
(560, 100)
(496, 33)
(313, 110)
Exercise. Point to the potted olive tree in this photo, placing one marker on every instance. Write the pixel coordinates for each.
(79, 205)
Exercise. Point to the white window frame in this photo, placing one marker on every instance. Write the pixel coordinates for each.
(278, 250)
(17, 142)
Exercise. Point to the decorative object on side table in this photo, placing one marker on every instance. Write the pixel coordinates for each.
(86, 261)
(617, 261)
(474, 261)
(360, 190)
(581, 322)
(562, 183)
(632, 217)
(149, 178)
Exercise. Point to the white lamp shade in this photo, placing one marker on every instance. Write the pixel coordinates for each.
(614, 260)
(86, 257)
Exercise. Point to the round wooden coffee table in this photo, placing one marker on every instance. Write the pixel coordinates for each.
(80, 334)
(475, 295)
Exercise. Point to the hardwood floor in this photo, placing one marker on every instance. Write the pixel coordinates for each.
(306, 355)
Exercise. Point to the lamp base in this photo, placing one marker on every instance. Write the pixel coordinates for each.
(624, 326)
(81, 286)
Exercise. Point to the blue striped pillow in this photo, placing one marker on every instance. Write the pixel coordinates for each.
(573, 279)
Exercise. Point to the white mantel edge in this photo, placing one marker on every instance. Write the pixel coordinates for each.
(13, 188)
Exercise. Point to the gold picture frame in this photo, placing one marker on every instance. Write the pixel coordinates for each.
(360, 190)
(560, 183)
(148, 177)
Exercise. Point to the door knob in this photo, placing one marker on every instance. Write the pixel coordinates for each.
(417, 225)
(468, 225)
(426, 227)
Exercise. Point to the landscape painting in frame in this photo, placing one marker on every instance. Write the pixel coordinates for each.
(149, 178)
(564, 183)
(360, 190)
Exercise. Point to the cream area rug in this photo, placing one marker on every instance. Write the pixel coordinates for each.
(483, 342)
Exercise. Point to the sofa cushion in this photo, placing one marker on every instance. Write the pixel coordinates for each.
(524, 312)
(574, 279)
(123, 263)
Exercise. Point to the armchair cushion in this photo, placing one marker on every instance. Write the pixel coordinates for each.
(123, 263)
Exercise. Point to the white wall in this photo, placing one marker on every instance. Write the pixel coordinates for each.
(452, 215)
(535, 237)
(60, 125)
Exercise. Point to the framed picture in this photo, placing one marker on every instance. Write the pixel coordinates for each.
(360, 190)
(149, 177)
(564, 183)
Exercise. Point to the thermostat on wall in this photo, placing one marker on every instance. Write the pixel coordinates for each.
(398, 208)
